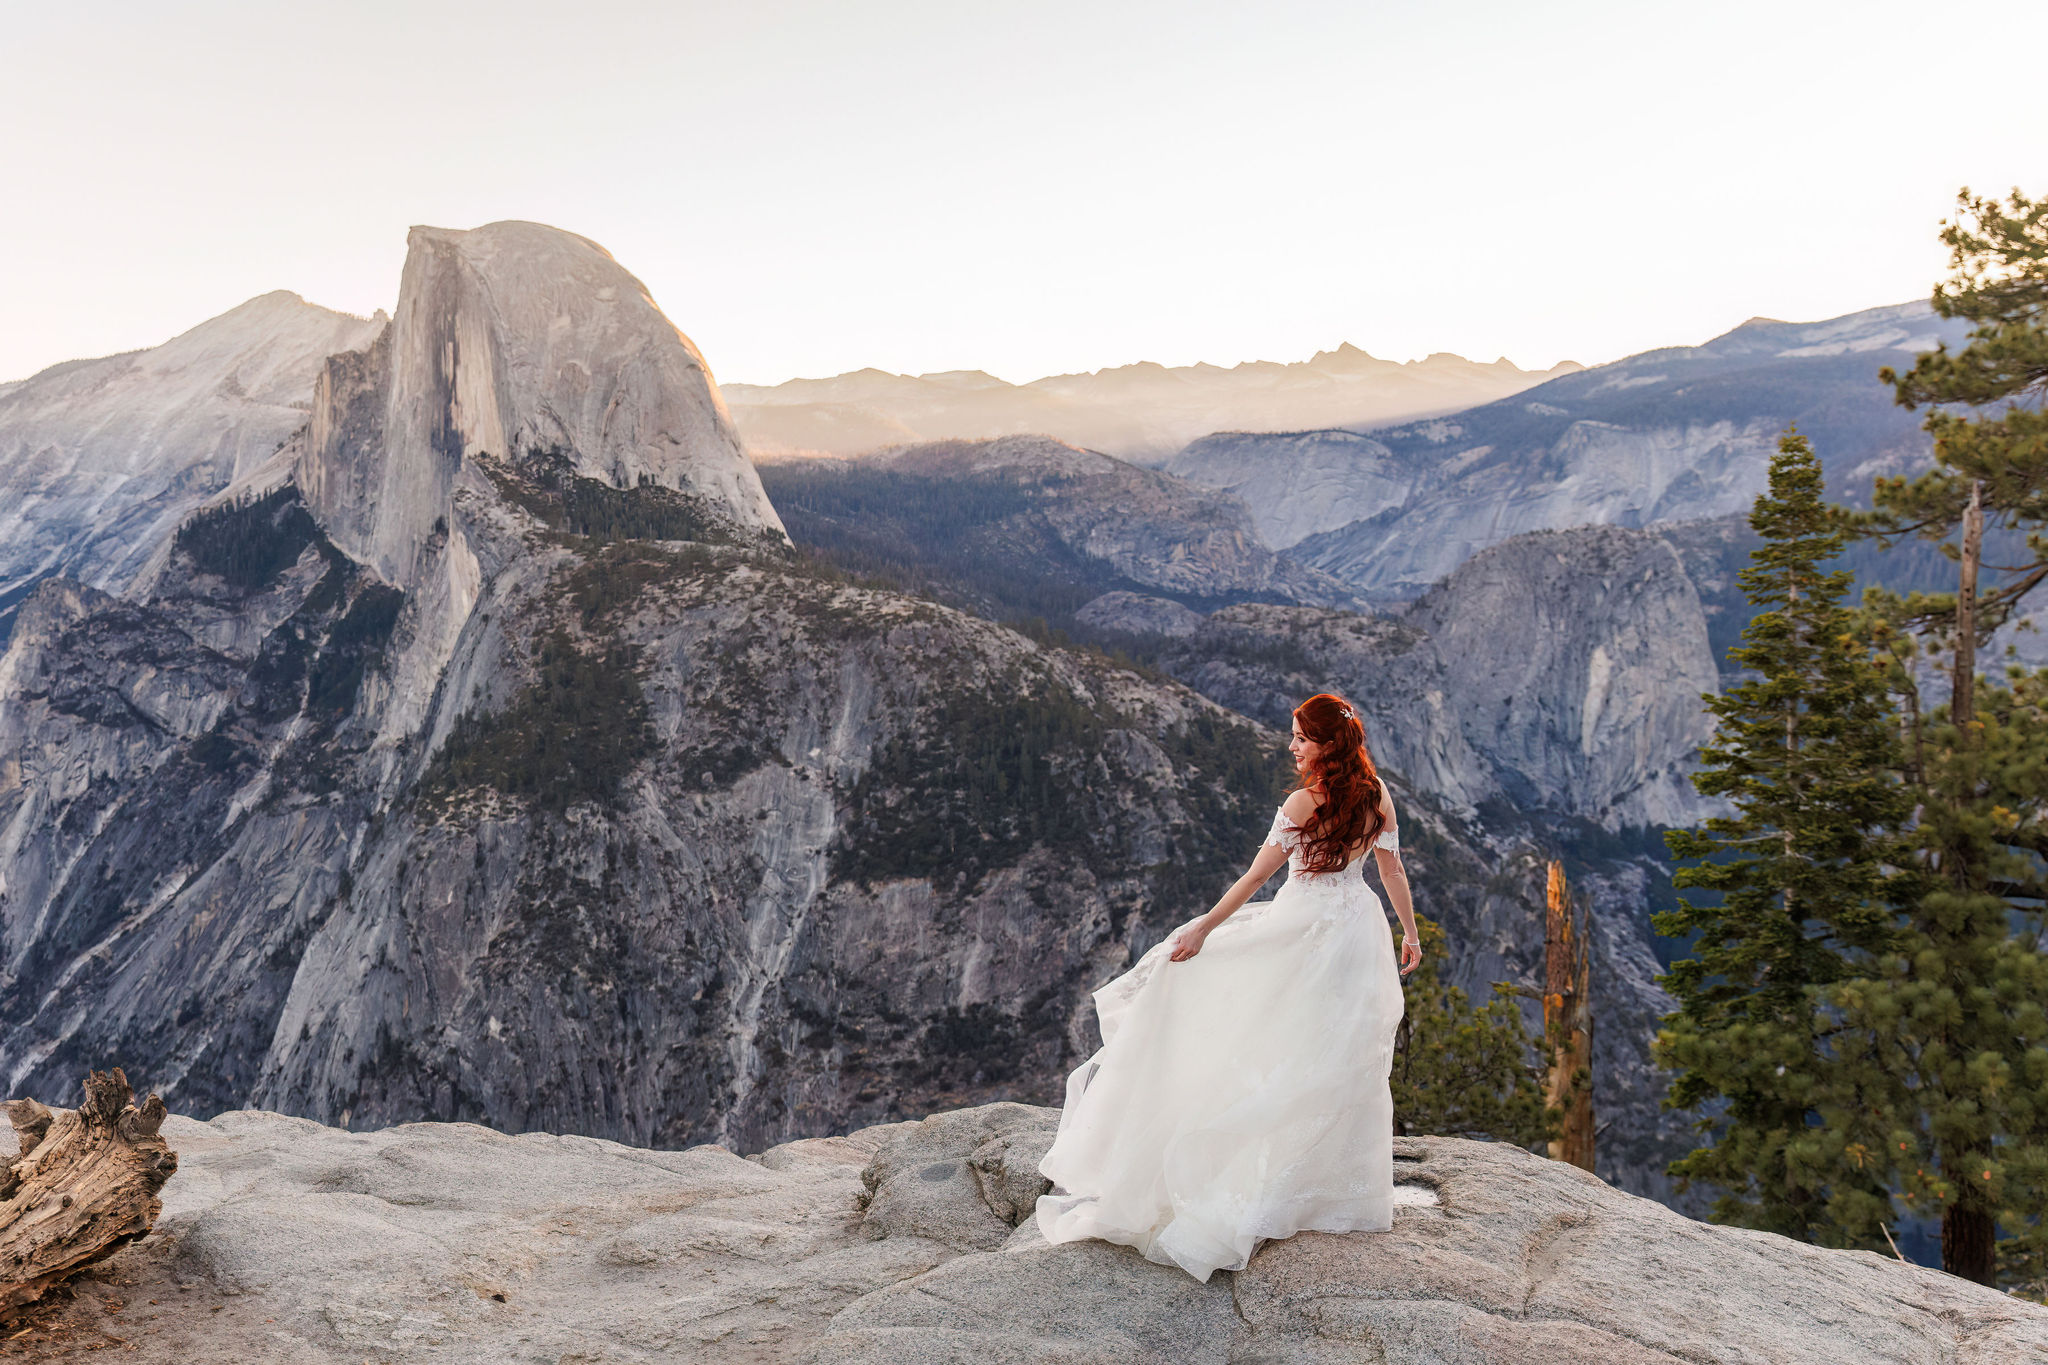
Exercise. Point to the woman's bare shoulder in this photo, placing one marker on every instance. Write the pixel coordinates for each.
(1299, 806)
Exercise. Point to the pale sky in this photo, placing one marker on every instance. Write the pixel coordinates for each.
(1026, 188)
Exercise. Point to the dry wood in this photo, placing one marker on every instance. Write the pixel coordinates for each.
(83, 1185)
(1568, 1019)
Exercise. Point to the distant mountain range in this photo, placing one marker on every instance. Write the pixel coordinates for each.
(1141, 412)
(1679, 434)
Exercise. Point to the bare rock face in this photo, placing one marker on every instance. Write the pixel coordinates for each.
(522, 342)
(1152, 528)
(602, 887)
(1580, 658)
(281, 1239)
(1591, 473)
(1299, 483)
(100, 459)
(1133, 613)
(1561, 671)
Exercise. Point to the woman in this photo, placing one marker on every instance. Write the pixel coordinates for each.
(1241, 1089)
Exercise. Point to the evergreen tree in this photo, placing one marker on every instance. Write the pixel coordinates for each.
(1998, 256)
(1460, 1071)
(1943, 1047)
(1803, 751)
(1940, 1080)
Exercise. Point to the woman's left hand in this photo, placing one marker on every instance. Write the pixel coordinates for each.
(1411, 954)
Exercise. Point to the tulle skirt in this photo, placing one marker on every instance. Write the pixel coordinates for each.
(1242, 1094)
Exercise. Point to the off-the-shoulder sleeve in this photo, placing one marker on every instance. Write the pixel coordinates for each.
(1284, 833)
(1390, 837)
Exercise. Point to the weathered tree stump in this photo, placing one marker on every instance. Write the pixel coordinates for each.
(83, 1186)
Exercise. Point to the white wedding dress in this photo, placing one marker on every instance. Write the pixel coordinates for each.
(1241, 1094)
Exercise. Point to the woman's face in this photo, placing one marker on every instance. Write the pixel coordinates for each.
(1304, 749)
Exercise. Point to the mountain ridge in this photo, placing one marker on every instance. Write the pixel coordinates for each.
(1141, 411)
(1676, 434)
(101, 457)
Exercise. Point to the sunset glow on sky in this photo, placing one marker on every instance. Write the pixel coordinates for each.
(808, 188)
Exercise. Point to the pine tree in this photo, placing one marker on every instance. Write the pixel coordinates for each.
(1998, 457)
(1940, 1081)
(1943, 1045)
(1804, 751)
(1461, 1071)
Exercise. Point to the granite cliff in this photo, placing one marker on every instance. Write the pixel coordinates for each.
(1557, 672)
(101, 459)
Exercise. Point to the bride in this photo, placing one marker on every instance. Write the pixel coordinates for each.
(1240, 1092)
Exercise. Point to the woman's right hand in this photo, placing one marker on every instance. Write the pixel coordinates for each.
(1187, 940)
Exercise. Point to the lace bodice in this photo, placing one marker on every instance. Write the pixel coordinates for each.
(1286, 834)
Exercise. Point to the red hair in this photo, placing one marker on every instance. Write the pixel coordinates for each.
(1346, 785)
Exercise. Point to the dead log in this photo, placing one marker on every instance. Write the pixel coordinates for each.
(82, 1187)
(1568, 1019)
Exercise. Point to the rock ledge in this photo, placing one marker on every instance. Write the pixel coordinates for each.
(912, 1242)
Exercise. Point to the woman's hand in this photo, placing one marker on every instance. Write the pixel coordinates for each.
(1411, 954)
(1188, 940)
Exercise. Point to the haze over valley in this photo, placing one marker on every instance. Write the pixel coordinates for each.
(1141, 412)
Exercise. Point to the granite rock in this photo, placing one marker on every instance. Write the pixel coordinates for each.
(101, 459)
(1131, 613)
(283, 1241)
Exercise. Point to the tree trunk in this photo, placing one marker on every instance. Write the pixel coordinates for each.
(1568, 1021)
(1963, 683)
(83, 1186)
(1968, 1235)
(1968, 1244)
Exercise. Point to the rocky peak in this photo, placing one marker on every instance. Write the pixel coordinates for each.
(101, 458)
(1348, 359)
(527, 344)
(964, 379)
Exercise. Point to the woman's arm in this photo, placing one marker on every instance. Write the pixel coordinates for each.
(1188, 941)
(1394, 877)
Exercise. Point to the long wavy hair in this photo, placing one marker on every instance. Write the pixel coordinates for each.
(1346, 786)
